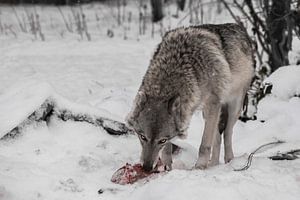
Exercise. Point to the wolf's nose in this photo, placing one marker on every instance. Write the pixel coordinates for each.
(147, 167)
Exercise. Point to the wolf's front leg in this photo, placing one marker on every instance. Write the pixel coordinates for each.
(166, 156)
(215, 156)
(212, 114)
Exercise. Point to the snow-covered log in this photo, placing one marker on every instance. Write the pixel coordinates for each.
(50, 108)
(24, 105)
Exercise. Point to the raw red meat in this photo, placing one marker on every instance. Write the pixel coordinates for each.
(129, 174)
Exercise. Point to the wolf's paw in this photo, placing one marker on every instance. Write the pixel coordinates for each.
(201, 163)
(168, 167)
(228, 160)
(167, 162)
(213, 163)
(228, 157)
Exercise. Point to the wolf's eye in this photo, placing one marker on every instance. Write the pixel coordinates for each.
(143, 137)
(162, 141)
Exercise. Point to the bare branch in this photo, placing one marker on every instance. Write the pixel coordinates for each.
(240, 7)
(256, 18)
(231, 12)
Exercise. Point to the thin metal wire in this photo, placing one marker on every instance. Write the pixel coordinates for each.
(249, 160)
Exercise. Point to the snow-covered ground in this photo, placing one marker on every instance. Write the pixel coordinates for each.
(73, 160)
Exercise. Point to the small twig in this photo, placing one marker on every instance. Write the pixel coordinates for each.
(231, 12)
(249, 160)
(193, 9)
(18, 19)
(65, 20)
(290, 155)
(240, 7)
(9, 27)
(255, 16)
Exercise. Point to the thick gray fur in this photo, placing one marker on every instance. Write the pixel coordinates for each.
(208, 67)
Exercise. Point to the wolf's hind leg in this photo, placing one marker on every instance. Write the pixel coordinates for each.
(234, 109)
(217, 144)
(166, 156)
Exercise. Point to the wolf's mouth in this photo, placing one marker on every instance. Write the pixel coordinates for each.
(159, 166)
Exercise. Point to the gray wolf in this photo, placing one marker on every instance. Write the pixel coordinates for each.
(209, 67)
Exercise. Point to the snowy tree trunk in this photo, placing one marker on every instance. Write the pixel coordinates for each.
(181, 4)
(280, 33)
(157, 10)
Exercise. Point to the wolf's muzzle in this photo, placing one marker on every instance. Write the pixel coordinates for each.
(148, 166)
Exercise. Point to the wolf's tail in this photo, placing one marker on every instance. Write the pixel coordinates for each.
(223, 118)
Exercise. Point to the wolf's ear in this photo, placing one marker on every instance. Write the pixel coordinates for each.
(174, 105)
(129, 120)
(137, 107)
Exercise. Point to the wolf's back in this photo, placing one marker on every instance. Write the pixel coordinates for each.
(202, 58)
(232, 37)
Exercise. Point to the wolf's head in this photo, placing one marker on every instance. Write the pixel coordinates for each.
(156, 122)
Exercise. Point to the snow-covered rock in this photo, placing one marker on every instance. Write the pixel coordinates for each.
(285, 81)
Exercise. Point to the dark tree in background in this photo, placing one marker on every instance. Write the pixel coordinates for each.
(181, 4)
(157, 10)
(296, 18)
(279, 28)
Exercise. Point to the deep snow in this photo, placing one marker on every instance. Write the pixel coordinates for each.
(73, 160)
